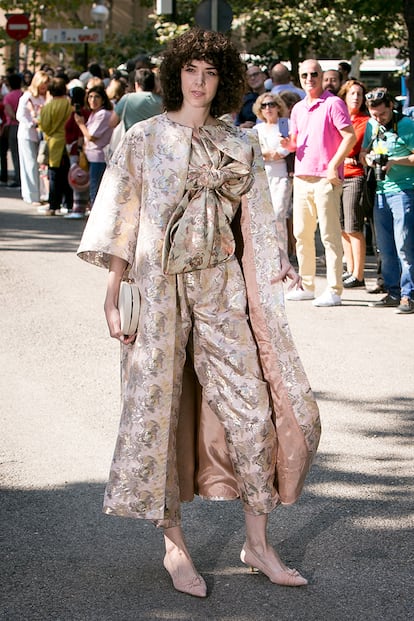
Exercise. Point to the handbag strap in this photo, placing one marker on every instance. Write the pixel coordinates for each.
(124, 109)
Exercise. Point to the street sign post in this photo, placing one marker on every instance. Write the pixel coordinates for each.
(214, 15)
(72, 35)
(18, 26)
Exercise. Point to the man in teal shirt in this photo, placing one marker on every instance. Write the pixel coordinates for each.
(140, 105)
(389, 146)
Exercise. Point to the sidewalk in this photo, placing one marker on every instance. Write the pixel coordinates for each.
(351, 533)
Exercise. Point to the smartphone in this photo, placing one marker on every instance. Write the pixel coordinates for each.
(284, 127)
(78, 108)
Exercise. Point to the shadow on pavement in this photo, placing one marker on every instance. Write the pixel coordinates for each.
(349, 533)
(28, 232)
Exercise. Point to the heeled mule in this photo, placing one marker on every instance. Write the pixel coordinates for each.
(283, 577)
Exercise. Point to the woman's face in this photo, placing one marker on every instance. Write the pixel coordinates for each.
(354, 98)
(199, 82)
(269, 109)
(43, 89)
(95, 101)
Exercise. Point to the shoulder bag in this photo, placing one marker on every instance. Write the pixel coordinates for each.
(117, 135)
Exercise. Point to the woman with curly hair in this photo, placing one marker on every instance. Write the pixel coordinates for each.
(214, 398)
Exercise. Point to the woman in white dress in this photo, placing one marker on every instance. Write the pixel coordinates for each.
(273, 112)
(28, 111)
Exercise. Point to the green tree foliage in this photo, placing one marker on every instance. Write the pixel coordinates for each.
(336, 28)
(41, 13)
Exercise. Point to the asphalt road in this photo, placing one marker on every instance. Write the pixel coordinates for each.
(351, 533)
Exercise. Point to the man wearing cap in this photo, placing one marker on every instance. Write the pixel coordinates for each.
(388, 145)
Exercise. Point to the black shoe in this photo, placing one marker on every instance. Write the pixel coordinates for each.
(387, 302)
(352, 282)
(377, 289)
(406, 306)
(346, 275)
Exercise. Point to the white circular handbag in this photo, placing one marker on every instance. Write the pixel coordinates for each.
(129, 307)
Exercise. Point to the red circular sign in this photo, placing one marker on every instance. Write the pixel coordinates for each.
(18, 26)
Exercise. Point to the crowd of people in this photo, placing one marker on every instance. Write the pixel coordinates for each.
(313, 138)
(353, 175)
(57, 125)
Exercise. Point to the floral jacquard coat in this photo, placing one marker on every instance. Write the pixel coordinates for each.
(141, 188)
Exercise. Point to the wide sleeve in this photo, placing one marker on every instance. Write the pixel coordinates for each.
(113, 225)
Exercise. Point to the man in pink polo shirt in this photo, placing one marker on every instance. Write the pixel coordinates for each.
(322, 135)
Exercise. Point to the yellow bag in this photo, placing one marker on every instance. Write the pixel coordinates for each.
(83, 161)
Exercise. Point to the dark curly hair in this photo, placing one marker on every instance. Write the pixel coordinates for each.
(215, 48)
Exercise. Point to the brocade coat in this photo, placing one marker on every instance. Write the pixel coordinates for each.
(141, 188)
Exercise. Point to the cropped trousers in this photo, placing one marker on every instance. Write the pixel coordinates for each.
(211, 307)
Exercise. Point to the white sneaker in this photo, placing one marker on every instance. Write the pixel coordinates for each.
(300, 294)
(328, 298)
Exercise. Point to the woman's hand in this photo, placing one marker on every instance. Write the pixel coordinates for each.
(271, 155)
(287, 142)
(114, 323)
(287, 272)
(79, 119)
(117, 268)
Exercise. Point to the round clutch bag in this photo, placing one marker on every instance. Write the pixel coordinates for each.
(128, 306)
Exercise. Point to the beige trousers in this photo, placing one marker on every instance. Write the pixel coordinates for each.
(211, 306)
(316, 201)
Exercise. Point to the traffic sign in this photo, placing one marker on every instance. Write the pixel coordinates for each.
(18, 26)
(72, 35)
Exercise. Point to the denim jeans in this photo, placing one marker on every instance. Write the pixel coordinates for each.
(96, 171)
(394, 229)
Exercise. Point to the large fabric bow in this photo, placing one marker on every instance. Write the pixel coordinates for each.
(199, 234)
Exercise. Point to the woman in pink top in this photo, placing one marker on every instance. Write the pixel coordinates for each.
(97, 133)
(352, 216)
(11, 102)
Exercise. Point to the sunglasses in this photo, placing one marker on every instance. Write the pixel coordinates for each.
(268, 104)
(312, 74)
(375, 95)
(254, 75)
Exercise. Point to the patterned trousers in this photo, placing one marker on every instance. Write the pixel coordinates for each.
(211, 305)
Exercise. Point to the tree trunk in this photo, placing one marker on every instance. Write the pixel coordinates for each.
(408, 8)
(293, 53)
